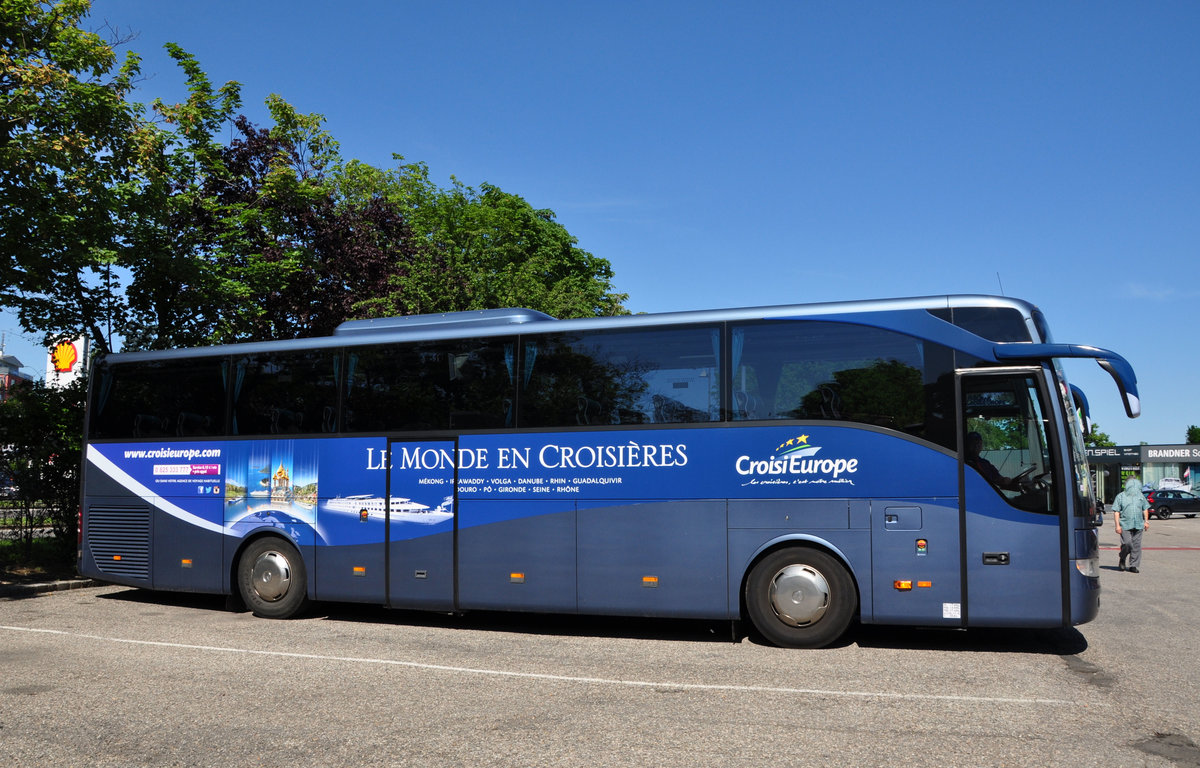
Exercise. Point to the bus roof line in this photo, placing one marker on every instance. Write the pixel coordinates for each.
(485, 323)
(442, 321)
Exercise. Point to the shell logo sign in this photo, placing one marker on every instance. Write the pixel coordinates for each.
(65, 361)
(64, 357)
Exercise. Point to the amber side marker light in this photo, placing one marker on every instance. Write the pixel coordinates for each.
(516, 578)
(902, 585)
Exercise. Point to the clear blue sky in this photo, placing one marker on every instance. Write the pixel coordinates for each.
(783, 152)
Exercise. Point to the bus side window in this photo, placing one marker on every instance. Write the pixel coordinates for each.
(644, 376)
(168, 399)
(284, 393)
(818, 370)
(458, 384)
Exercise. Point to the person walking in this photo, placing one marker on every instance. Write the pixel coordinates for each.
(1131, 512)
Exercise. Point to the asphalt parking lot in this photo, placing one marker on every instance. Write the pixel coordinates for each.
(116, 676)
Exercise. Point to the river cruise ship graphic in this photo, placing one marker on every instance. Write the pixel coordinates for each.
(402, 509)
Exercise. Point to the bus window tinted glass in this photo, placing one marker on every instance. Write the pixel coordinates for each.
(178, 398)
(458, 384)
(285, 393)
(648, 376)
(1003, 324)
(836, 371)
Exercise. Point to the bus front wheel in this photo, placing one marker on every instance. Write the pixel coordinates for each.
(272, 579)
(800, 598)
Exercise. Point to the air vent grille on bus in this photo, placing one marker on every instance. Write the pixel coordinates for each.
(120, 540)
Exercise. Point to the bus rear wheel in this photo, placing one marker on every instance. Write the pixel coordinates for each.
(272, 579)
(800, 597)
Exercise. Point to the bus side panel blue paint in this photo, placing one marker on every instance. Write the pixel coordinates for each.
(801, 514)
(916, 541)
(851, 547)
(422, 572)
(338, 579)
(187, 558)
(1026, 592)
(535, 539)
(421, 532)
(653, 559)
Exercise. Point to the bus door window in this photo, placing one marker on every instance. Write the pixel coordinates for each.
(1005, 441)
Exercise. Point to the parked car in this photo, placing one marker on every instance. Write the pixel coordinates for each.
(1163, 504)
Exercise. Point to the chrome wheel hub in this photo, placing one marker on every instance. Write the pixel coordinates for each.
(799, 595)
(271, 576)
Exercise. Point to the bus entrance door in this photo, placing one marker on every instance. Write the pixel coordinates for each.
(420, 524)
(1014, 551)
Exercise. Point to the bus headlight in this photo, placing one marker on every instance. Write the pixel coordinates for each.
(1089, 567)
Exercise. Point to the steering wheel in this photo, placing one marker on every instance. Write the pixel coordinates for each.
(1038, 482)
(1023, 475)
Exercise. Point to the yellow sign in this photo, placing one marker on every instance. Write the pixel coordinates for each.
(64, 357)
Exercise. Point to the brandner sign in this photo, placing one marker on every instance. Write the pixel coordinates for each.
(1145, 454)
(1181, 454)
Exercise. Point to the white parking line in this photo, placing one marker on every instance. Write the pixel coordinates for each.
(556, 678)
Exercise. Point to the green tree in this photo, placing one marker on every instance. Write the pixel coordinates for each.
(174, 293)
(1097, 439)
(141, 223)
(67, 136)
(41, 432)
(1193, 435)
(482, 248)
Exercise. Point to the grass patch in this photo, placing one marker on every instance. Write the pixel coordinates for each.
(42, 560)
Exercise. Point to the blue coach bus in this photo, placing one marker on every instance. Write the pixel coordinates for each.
(911, 461)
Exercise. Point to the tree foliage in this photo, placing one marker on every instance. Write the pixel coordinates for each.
(1097, 439)
(41, 433)
(67, 136)
(139, 222)
(1193, 435)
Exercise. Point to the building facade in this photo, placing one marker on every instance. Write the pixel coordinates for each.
(11, 375)
(1153, 465)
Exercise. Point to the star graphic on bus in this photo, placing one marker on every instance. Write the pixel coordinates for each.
(798, 443)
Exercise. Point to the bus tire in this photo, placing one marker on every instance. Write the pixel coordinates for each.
(272, 579)
(800, 597)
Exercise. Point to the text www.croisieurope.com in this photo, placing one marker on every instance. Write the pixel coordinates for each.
(175, 453)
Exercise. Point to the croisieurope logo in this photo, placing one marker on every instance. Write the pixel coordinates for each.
(795, 461)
